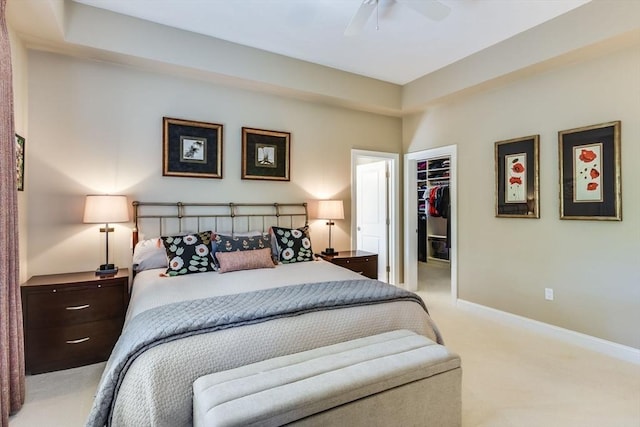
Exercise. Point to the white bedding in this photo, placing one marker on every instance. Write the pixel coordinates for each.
(150, 290)
(157, 389)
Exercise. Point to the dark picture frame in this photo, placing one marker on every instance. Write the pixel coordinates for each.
(517, 166)
(191, 149)
(590, 176)
(20, 146)
(265, 154)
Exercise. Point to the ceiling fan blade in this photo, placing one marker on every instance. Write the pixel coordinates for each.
(432, 9)
(361, 17)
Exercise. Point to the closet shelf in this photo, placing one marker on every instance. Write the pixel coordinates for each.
(436, 236)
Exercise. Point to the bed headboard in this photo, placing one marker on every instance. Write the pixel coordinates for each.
(166, 218)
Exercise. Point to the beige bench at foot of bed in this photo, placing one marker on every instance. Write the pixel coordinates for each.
(396, 378)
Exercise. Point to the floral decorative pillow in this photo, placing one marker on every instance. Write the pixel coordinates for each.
(294, 244)
(222, 243)
(188, 254)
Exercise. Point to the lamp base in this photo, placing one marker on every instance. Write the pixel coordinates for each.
(329, 251)
(106, 270)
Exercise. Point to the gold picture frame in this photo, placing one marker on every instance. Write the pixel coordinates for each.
(517, 169)
(191, 149)
(590, 176)
(265, 154)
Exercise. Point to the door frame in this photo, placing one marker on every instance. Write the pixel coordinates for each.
(393, 244)
(411, 215)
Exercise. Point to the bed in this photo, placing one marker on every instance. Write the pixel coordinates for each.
(179, 328)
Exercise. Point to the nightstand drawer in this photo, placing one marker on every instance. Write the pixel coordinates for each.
(62, 306)
(364, 266)
(365, 263)
(65, 347)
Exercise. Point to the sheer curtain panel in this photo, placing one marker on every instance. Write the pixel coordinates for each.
(11, 336)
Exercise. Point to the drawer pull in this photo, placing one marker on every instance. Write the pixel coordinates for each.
(78, 307)
(81, 340)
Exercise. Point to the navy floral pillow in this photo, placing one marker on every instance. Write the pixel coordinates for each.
(188, 254)
(222, 243)
(294, 244)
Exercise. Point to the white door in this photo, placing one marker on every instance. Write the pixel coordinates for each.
(371, 212)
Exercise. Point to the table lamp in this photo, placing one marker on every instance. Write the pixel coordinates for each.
(106, 209)
(330, 210)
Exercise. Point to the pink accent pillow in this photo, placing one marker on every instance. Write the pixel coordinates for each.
(244, 260)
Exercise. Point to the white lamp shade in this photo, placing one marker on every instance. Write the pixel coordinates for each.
(106, 209)
(330, 209)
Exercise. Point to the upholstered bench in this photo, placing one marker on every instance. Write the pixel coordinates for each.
(395, 378)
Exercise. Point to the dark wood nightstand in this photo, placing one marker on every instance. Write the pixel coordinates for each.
(365, 263)
(72, 319)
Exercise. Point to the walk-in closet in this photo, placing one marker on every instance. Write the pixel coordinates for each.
(434, 231)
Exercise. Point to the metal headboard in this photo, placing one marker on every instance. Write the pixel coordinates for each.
(172, 217)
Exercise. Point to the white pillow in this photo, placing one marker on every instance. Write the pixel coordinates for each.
(148, 254)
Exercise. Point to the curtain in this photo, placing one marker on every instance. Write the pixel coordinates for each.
(11, 334)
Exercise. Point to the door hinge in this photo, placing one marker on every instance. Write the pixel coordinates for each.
(388, 269)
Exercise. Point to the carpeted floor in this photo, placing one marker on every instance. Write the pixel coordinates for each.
(510, 377)
(519, 378)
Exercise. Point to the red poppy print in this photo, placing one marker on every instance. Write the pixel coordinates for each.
(587, 172)
(518, 168)
(587, 155)
(515, 180)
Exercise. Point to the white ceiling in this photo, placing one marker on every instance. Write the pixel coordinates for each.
(404, 47)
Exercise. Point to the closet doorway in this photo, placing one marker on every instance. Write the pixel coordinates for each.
(418, 230)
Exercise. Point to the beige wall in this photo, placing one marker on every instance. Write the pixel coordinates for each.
(504, 263)
(97, 128)
(20, 107)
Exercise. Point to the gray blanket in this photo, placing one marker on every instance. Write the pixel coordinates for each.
(174, 321)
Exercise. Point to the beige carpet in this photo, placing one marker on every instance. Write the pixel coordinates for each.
(519, 378)
(510, 377)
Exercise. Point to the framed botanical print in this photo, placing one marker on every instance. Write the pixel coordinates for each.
(265, 154)
(590, 186)
(191, 149)
(518, 177)
(20, 162)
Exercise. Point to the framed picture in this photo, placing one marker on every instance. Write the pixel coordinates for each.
(265, 154)
(191, 149)
(518, 177)
(20, 162)
(590, 172)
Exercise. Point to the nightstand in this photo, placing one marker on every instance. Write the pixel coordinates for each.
(72, 319)
(365, 263)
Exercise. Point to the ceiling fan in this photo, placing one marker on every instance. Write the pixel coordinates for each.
(432, 9)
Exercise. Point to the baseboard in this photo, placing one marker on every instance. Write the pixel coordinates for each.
(608, 348)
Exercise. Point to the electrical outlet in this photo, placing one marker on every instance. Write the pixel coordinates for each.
(548, 294)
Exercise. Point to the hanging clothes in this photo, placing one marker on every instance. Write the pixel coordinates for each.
(440, 206)
(438, 200)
